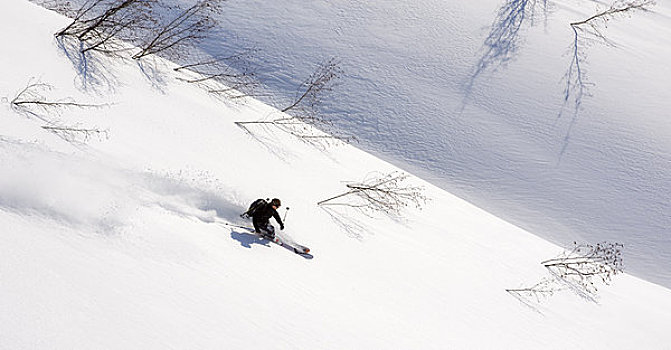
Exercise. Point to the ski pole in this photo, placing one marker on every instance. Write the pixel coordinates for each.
(285, 215)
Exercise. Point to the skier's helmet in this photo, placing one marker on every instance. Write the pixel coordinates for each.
(276, 202)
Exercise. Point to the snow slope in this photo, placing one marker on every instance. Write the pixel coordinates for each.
(119, 243)
(469, 95)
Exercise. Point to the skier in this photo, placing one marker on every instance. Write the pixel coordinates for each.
(261, 218)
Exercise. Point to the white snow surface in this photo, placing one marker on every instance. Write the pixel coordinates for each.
(469, 95)
(120, 243)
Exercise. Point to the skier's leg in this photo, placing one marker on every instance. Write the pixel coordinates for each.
(268, 231)
(271, 230)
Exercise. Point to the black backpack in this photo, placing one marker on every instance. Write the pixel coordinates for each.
(254, 207)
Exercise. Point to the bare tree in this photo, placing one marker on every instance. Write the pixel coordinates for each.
(76, 134)
(386, 193)
(585, 264)
(188, 27)
(141, 28)
(310, 93)
(541, 290)
(536, 294)
(303, 131)
(594, 24)
(231, 76)
(578, 270)
(586, 32)
(99, 22)
(302, 117)
(31, 101)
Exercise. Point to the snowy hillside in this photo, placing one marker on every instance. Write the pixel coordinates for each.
(120, 242)
(470, 95)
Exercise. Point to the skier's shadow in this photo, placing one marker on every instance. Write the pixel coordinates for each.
(248, 239)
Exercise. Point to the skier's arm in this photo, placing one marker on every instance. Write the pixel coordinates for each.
(276, 215)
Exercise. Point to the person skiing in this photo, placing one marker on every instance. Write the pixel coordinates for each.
(261, 218)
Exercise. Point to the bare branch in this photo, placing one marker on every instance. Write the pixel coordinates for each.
(75, 134)
(592, 27)
(31, 99)
(586, 32)
(616, 8)
(585, 263)
(578, 270)
(539, 292)
(385, 193)
(304, 119)
(232, 60)
(302, 130)
(229, 77)
(187, 28)
(99, 23)
(311, 91)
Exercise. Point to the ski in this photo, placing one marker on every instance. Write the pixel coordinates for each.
(275, 239)
(293, 246)
(299, 249)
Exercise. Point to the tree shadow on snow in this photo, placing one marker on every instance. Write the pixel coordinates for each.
(576, 88)
(266, 140)
(154, 71)
(346, 222)
(503, 41)
(91, 67)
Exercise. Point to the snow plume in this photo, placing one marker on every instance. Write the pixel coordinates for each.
(79, 190)
(63, 187)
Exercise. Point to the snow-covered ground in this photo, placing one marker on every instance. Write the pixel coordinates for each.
(469, 95)
(120, 243)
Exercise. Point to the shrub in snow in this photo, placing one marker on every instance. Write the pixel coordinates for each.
(586, 264)
(580, 270)
(386, 193)
(173, 34)
(302, 118)
(230, 77)
(586, 32)
(537, 293)
(32, 102)
(99, 25)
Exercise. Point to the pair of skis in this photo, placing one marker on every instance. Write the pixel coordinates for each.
(290, 245)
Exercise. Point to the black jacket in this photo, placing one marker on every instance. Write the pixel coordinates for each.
(262, 217)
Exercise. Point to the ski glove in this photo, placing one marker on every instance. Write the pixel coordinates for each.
(282, 227)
